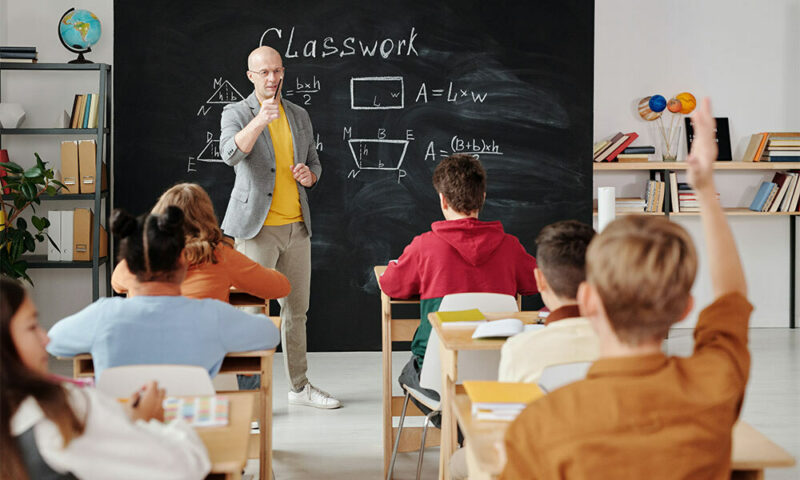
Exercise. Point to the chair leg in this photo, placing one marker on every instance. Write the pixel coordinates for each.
(397, 439)
(422, 443)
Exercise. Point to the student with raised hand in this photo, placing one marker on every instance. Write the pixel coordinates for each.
(568, 337)
(640, 413)
(214, 266)
(54, 430)
(158, 325)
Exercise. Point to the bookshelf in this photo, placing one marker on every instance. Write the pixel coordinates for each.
(101, 135)
(666, 167)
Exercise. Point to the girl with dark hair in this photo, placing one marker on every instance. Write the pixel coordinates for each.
(53, 430)
(158, 325)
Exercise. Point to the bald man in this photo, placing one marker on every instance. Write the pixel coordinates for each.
(269, 142)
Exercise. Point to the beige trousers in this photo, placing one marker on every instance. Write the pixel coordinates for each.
(287, 249)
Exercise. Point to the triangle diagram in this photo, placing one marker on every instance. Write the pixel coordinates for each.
(225, 94)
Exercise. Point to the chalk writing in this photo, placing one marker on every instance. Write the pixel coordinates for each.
(377, 93)
(385, 47)
(303, 88)
(452, 95)
(476, 146)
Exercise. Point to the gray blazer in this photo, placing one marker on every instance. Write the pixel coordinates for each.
(251, 196)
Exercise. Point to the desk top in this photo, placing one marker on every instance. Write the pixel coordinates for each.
(751, 449)
(460, 337)
(228, 446)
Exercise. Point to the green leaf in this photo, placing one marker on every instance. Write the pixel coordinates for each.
(39, 237)
(29, 191)
(50, 190)
(12, 167)
(52, 242)
(19, 202)
(34, 172)
(30, 243)
(22, 224)
(39, 161)
(59, 184)
(46, 222)
(38, 222)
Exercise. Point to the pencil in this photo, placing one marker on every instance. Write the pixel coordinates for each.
(278, 89)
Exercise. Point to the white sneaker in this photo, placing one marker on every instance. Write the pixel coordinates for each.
(313, 397)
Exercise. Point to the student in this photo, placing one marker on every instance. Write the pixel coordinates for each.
(561, 261)
(55, 430)
(158, 325)
(460, 254)
(214, 265)
(640, 413)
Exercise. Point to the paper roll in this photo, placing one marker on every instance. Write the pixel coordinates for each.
(605, 207)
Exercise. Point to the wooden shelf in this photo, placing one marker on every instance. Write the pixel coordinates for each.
(62, 196)
(614, 166)
(736, 211)
(50, 131)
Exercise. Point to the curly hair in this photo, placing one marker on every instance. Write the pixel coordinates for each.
(461, 179)
(203, 234)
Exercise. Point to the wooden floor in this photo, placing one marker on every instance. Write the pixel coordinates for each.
(346, 443)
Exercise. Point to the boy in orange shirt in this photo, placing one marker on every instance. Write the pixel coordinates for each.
(640, 414)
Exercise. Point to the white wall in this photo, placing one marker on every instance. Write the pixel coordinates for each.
(745, 55)
(43, 95)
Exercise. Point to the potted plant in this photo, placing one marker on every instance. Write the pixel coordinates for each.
(23, 188)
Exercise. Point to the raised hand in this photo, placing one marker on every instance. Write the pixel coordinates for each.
(270, 110)
(704, 148)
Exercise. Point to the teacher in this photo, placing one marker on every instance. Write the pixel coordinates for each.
(269, 143)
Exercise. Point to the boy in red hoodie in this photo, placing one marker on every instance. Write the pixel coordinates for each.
(460, 254)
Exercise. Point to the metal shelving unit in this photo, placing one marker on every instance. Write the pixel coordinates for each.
(103, 154)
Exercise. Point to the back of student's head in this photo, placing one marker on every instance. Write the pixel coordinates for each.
(18, 381)
(202, 228)
(643, 269)
(151, 244)
(461, 179)
(561, 255)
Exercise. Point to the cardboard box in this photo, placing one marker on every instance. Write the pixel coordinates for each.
(82, 236)
(87, 160)
(69, 167)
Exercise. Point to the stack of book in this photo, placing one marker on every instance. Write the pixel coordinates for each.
(84, 111)
(654, 196)
(773, 147)
(500, 400)
(629, 205)
(784, 149)
(687, 199)
(779, 195)
(18, 54)
(636, 154)
(608, 150)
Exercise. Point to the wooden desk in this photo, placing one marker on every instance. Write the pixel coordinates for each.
(228, 446)
(239, 298)
(254, 362)
(451, 340)
(752, 451)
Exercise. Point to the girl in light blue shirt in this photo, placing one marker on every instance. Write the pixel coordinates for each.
(158, 326)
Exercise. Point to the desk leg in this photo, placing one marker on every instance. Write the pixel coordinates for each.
(386, 347)
(265, 419)
(449, 435)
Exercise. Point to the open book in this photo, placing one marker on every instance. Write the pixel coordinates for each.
(506, 327)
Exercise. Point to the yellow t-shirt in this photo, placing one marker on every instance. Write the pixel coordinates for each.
(285, 207)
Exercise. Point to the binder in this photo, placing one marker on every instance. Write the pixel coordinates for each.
(87, 162)
(67, 219)
(69, 167)
(54, 230)
(83, 236)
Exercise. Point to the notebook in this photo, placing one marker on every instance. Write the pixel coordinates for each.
(209, 411)
(461, 318)
(500, 400)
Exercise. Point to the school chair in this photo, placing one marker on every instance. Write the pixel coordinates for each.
(475, 365)
(559, 375)
(121, 382)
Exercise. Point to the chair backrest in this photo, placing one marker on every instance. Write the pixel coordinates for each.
(122, 382)
(556, 376)
(485, 302)
(475, 365)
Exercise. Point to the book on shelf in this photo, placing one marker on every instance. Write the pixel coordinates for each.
(673, 191)
(633, 157)
(627, 139)
(630, 205)
(793, 204)
(614, 142)
(25, 55)
(206, 411)
(646, 149)
(772, 193)
(500, 400)
(787, 198)
(598, 147)
(782, 181)
(19, 60)
(85, 121)
(14, 49)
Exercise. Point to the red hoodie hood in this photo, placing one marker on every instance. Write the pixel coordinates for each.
(474, 240)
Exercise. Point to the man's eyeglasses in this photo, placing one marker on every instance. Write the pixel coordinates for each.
(278, 71)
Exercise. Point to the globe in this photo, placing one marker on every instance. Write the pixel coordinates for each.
(78, 30)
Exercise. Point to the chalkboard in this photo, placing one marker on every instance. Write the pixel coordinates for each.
(391, 88)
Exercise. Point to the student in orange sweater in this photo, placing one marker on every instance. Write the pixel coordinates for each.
(639, 413)
(214, 265)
